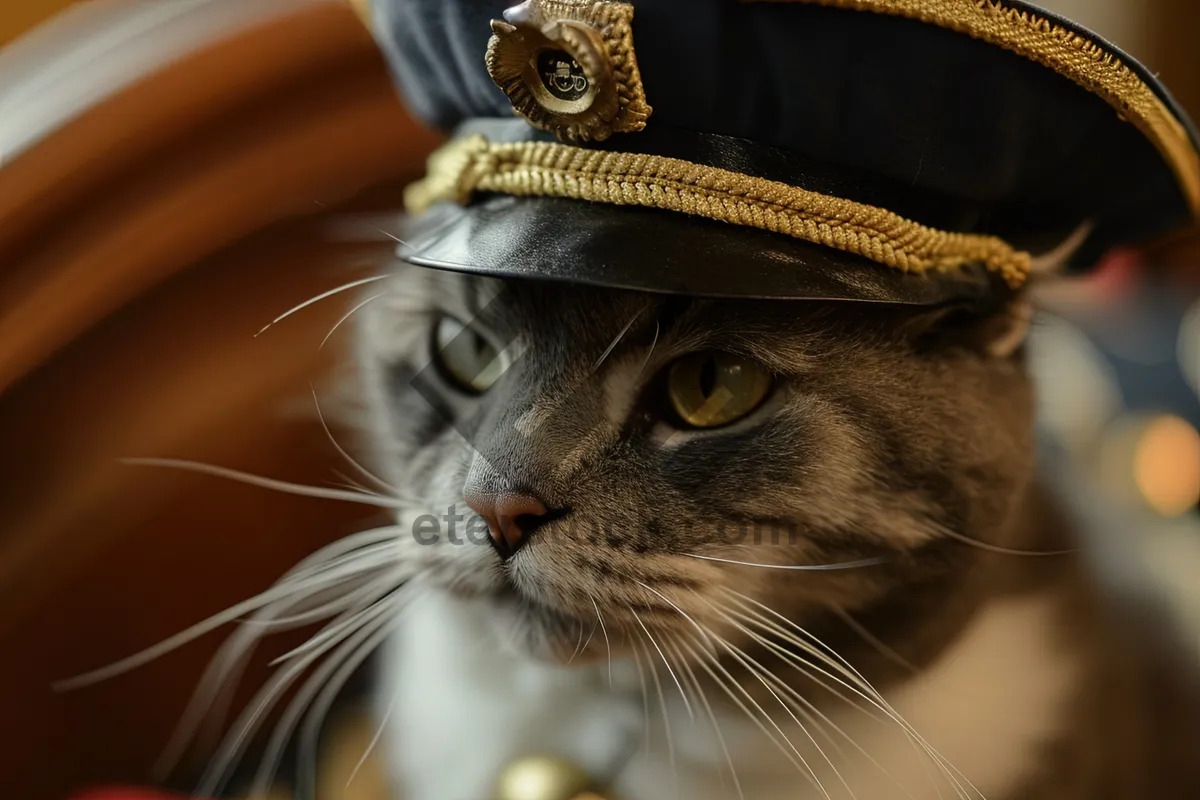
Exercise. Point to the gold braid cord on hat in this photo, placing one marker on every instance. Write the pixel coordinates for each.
(546, 169)
(1069, 54)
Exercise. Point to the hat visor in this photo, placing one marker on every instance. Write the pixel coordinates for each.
(651, 250)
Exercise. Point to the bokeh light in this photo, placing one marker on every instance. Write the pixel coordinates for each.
(1166, 465)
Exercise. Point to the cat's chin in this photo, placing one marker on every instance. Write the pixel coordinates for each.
(525, 628)
(528, 629)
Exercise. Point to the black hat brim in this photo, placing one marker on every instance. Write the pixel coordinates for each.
(620, 247)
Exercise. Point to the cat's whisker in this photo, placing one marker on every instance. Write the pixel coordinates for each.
(871, 695)
(340, 602)
(399, 604)
(808, 669)
(727, 684)
(813, 713)
(591, 635)
(993, 548)
(349, 619)
(388, 490)
(812, 671)
(578, 643)
(871, 639)
(615, 342)
(214, 690)
(666, 718)
(349, 484)
(277, 592)
(703, 631)
(866, 562)
(759, 671)
(607, 643)
(650, 352)
(346, 318)
(324, 295)
(248, 722)
(641, 673)
(703, 697)
(790, 632)
(371, 745)
(686, 704)
(708, 637)
(212, 695)
(268, 483)
(370, 621)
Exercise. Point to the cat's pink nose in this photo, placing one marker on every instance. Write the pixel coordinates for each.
(510, 517)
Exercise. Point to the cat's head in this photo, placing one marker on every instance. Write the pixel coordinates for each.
(632, 446)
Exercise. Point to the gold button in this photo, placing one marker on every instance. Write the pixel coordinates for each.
(544, 778)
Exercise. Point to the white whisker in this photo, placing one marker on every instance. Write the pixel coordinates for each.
(666, 663)
(608, 351)
(332, 292)
(379, 731)
(349, 619)
(607, 643)
(346, 317)
(366, 473)
(810, 711)
(871, 639)
(871, 695)
(737, 785)
(248, 723)
(330, 683)
(299, 587)
(267, 483)
(867, 562)
(666, 718)
(703, 631)
(993, 548)
(650, 352)
(178, 640)
(641, 673)
(762, 673)
(707, 663)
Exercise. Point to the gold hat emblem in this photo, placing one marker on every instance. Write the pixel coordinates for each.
(568, 67)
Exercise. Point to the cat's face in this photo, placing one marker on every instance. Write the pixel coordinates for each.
(667, 437)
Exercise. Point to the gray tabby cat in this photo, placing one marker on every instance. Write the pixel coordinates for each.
(718, 549)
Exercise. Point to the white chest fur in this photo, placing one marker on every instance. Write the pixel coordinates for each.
(464, 707)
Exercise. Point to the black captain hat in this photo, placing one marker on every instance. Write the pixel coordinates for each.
(903, 151)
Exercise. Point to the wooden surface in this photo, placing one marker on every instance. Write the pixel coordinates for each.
(146, 234)
(18, 16)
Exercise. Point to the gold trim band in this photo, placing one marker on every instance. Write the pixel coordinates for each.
(1067, 53)
(546, 169)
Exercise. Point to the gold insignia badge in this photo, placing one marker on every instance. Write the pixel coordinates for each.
(568, 67)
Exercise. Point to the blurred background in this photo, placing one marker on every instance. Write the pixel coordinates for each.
(167, 188)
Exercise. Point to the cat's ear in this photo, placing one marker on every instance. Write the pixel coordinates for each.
(1000, 331)
(997, 331)
(1052, 263)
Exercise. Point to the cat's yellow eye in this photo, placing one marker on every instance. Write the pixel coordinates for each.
(708, 390)
(465, 358)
